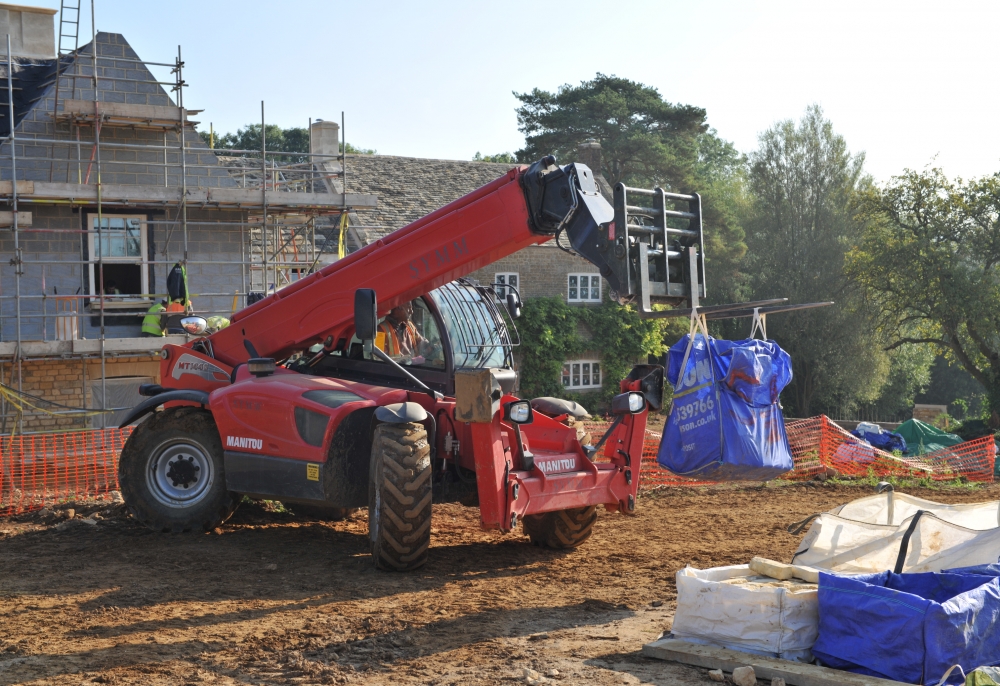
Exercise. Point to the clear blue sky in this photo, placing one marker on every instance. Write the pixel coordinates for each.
(909, 83)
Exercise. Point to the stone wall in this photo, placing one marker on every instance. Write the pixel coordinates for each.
(67, 382)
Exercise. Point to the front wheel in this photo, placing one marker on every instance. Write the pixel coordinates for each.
(399, 497)
(171, 472)
(561, 529)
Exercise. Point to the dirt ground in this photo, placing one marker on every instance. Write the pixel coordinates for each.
(275, 598)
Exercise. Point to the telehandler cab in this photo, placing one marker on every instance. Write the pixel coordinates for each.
(294, 402)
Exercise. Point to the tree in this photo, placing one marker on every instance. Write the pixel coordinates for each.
(501, 157)
(802, 217)
(644, 139)
(295, 139)
(647, 141)
(929, 259)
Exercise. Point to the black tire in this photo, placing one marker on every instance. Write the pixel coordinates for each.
(171, 472)
(561, 529)
(399, 497)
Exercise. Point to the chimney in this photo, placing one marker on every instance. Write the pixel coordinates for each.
(325, 139)
(32, 31)
(589, 152)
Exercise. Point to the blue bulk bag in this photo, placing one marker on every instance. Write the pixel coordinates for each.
(725, 422)
(909, 627)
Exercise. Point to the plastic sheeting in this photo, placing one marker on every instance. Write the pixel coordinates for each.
(877, 437)
(762, 616)
(923, 542)
(924, 438)
(909, 627)
(725, 422)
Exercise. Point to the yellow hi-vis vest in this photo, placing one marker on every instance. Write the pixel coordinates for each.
(152, 323)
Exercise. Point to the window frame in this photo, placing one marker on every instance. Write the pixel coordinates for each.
(589, 372)
(591, 276)
(502, 290)
(143, 260)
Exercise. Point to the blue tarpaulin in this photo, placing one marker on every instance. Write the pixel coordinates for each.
(725, 422)
(880, 438)
(910, 627)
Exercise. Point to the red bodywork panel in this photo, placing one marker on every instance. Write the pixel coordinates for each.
(256, 415)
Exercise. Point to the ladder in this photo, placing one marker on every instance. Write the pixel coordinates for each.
(69, 44)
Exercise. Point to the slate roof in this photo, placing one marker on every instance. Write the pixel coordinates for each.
(410, 187)
(31, 79)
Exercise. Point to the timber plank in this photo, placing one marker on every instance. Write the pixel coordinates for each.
(794, 673)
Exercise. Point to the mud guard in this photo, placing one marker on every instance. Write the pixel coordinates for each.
(150, 404)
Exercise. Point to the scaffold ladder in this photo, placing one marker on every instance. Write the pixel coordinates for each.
(69, 44)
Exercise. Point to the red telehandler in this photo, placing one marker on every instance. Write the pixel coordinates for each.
(294, 402)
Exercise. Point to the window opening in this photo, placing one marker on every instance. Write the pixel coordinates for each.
(584, 288)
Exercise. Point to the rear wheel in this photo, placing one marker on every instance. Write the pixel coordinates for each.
(399, 497)
(171, 472)
(561, 529)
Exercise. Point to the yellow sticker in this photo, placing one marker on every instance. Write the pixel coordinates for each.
(312, 472)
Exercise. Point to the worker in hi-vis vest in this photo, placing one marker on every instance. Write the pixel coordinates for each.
(152, 323)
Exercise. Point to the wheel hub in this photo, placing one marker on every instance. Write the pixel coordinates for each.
(182, 471)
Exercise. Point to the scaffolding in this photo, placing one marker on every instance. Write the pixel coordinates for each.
(103, 158)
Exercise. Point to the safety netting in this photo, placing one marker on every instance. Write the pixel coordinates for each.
(48, 468)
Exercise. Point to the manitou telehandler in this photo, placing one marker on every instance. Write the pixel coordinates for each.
(300, 400)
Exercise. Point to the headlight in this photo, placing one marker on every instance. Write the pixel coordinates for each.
(260, 366)
(628, 403)
(518, 412)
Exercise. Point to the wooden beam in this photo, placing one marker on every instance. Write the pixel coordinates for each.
(23, 187)
(7, 219)
(794, 673)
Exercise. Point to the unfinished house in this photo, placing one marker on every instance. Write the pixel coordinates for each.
(409, 188)
(106, 186)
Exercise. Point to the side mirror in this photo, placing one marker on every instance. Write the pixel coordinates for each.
(631, 402)
(513, 305)
(195, 326)
(519, 412)
(365, 314)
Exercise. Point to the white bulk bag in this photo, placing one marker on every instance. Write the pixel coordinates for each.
(924, 543)
(893, 508)
(763, 616)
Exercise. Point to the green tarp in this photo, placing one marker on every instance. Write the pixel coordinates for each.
(923, 438)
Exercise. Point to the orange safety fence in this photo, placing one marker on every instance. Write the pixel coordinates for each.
(819, 445)
(42, 469)
(47, 468)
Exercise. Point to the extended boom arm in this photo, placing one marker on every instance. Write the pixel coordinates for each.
(526, 206)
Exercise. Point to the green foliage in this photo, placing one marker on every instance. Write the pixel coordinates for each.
(549, 328)
(929, 260)
(644, 138)
(501, 157)
(801, 219)
(295, 139)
